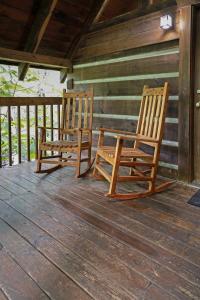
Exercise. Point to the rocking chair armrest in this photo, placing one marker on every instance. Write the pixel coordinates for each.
(136, 138)
(65, 131)
(102, 129)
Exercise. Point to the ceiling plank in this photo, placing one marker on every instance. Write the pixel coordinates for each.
(111, 9)
(34, 59)
(96, 7)
(141, 11)
(187, 2)
(37, 31)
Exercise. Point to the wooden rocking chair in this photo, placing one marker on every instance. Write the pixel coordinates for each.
(143, 166)
(75, 134)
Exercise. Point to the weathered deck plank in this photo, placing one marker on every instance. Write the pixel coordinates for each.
(2, 295)
(15, 283)
(56, 257)
(99, 253)
(144, 249)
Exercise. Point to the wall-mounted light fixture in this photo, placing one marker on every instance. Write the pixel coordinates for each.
(166, 22)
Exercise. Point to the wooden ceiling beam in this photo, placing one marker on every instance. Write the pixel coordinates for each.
(34, 59)
(96, 7)
(181, 3)
(37, 31)
(141, 11)
(101, 11)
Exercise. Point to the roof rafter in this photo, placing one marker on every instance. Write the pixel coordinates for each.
(103, 7)
(96, 7)
(37, 31)
(34, 59)
(187, 2)
(144, 8)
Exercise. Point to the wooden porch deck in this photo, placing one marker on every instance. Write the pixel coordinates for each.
(60, 238)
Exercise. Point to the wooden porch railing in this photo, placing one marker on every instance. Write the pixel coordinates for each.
(24, 115)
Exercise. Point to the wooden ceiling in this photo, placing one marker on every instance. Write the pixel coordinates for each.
(53, 28)
(17, 19)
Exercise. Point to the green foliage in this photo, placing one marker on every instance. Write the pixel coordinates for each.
(10, 87)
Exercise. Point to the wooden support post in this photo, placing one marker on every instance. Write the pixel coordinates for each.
(64, 72)
(186, 95)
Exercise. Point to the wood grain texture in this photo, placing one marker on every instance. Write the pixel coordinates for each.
(186, 96)
(57, 231)
(196, 156)
(20, 285)
(181, 3)
(11, 55)
(127, 35)
(37, 31)
(145, 7)
(22, 101)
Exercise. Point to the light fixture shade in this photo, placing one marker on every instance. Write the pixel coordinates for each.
(166, 22)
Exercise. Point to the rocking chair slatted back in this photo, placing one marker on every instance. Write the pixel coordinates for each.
(152, 113)
(77, 110)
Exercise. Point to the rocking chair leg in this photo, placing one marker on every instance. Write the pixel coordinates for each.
(115, 170)
(60, 158)
(78, 166)
(113, 181)
(95, 172)
(89, 157)
(131, 170)
(151, 186)
(38, 168)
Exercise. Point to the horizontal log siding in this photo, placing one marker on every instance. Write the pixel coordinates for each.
(130, 34)
(118, 79)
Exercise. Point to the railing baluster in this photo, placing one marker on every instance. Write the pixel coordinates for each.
(28, 132)
(58, 115)
(19, 134)
(9, 136)
(51, 121)
(44, 121)
(0, 141)
(44, 115)
(51, 124)
(36, 131)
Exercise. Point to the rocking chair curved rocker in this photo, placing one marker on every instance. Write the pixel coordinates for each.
(75, 135)
(142, 165)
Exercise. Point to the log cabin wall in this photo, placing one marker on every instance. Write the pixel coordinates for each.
(117, 61)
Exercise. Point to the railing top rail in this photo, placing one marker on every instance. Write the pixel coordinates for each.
(21, 101)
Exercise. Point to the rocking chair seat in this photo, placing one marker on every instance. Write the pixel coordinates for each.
(126, 152)
(62, 144)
